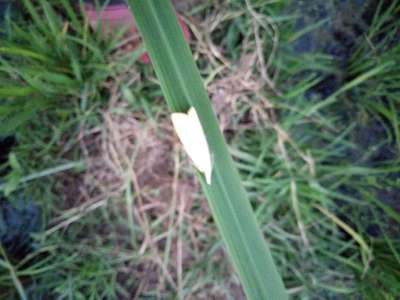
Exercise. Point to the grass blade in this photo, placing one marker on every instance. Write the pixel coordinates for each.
(183, 88)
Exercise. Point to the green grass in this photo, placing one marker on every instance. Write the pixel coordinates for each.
(300, 165)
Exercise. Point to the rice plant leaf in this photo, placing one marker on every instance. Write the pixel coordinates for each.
(183, 88)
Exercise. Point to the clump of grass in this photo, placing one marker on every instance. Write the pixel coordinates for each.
(55, 77)
(36, 77)
(379, 96)
(378, 105)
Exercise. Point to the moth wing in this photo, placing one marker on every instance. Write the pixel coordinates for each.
(193, 139)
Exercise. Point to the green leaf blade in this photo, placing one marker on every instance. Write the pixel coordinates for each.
(183, 88)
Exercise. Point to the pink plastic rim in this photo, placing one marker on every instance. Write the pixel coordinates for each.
(112, 12)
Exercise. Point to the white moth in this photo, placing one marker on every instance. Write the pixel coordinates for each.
(191, 134)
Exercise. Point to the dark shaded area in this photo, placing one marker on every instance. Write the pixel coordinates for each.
(6, 144)
(344, 23)
(7, 8)
(338, 25)
(17, 222)
(18, 219)
(4, 8)
(372, 136)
